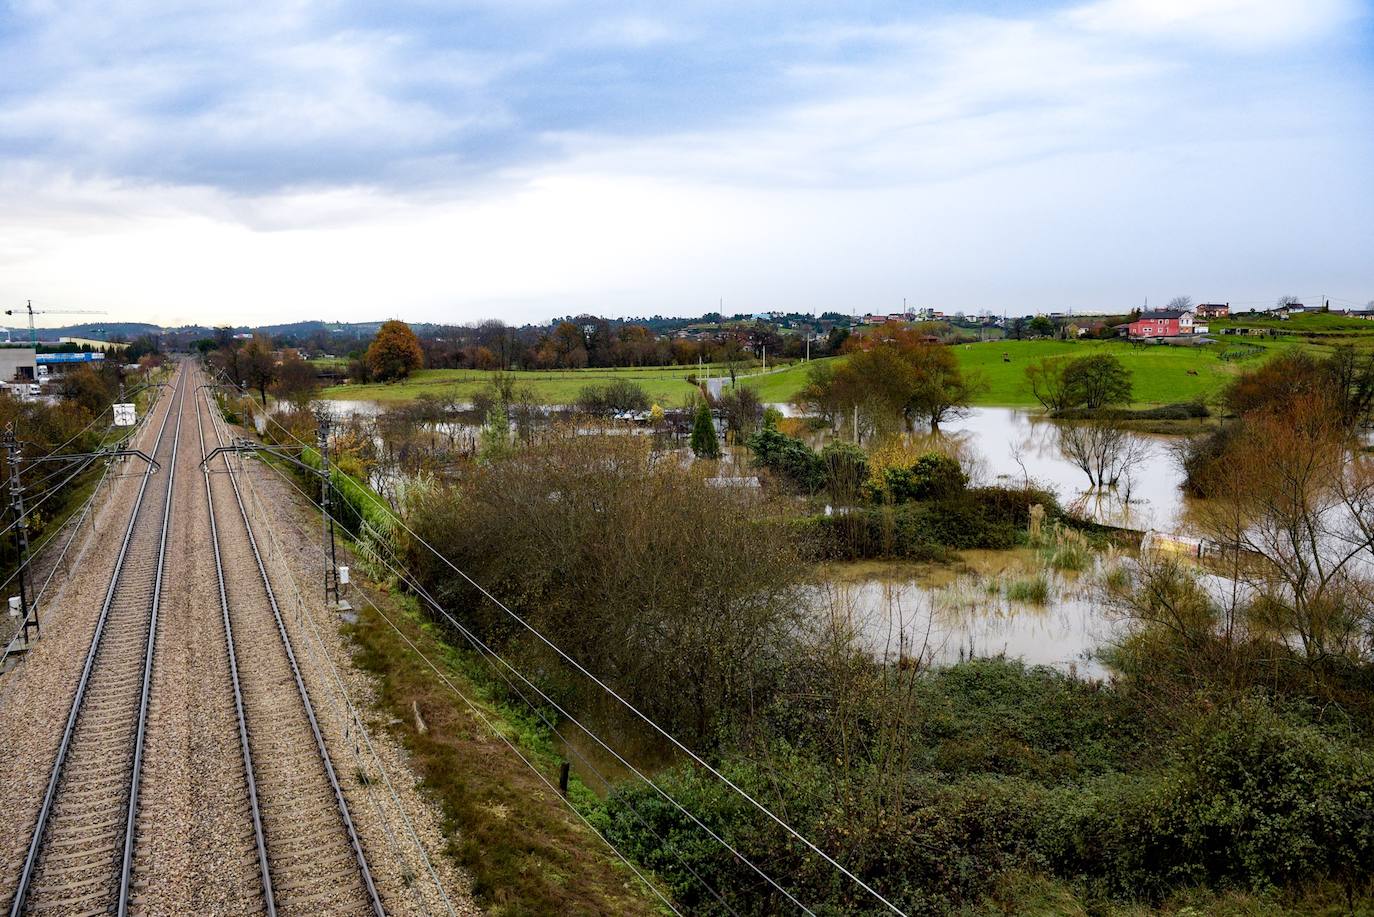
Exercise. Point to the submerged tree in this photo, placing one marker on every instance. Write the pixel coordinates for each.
(892, 383)
(1105, 452)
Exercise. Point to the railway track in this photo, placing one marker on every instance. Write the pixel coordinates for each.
(310, 859)
(80, 854)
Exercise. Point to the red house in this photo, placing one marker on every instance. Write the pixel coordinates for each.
(1162, 323)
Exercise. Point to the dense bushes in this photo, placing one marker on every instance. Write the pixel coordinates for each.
(615, 397)
(1250, 799)
(981, 517)
(933, 476)
(789, 458)
(1241, 797)
(1182, 410)
(665, 586)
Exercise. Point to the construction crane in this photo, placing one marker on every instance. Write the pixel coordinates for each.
(33, 332)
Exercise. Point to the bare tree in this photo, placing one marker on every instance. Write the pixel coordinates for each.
(1297, 503)
(1104, 451)
(1288, 300)
(1180, 303)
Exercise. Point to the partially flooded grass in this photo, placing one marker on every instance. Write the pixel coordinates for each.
(1065, 548)
(1033, 590)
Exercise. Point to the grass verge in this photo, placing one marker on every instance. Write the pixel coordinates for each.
(526, 852)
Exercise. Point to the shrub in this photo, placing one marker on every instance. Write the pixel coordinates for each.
(1251, 800)
(911, 531)
(846, 469)
(615, 397)
(933, 476)
(789, 458)
(1203, 458)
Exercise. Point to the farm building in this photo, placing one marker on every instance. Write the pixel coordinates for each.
(1161, 323)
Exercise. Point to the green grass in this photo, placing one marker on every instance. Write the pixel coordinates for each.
(781, 385)
(1033, 590)
(526, 852)
(1306, 323)
(1161, 375)
(666, 385)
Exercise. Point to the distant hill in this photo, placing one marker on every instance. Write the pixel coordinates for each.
(105, 331)
(100, 331)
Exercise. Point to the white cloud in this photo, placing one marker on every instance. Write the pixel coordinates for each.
(1074, 158)
(632, 32)
(1250, 24)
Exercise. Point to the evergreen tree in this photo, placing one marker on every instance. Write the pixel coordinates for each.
(495, 442)
(704, 442)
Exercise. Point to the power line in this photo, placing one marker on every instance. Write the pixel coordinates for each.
(317, 650)
(487, 653)
(629, 706)
(477, 711)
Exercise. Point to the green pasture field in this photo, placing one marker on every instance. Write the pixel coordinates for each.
(1306, 323)
(1161, 374)
(666, 385)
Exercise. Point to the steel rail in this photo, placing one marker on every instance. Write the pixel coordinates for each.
(126, 868)
(364, 870)
(261, 842)
(50, 795)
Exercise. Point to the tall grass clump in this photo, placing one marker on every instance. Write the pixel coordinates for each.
(1034, 590)
(1065, 549)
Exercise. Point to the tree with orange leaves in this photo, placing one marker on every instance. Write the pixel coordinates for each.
(395, 353)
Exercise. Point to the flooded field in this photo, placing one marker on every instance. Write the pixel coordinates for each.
(995, 603)
(1009, 445)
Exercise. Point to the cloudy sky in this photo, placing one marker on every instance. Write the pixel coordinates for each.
(520, 159)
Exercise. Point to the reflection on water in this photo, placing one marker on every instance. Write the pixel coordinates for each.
(944, 615)
(1011, 445)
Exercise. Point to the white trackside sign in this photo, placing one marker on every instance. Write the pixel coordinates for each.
(124, 415)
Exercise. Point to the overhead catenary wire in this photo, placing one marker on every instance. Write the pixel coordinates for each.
(487, 653)
(677, 743)
(79, 516)
(28, 510)
(356, 718)
(591, 767)
(480, 714)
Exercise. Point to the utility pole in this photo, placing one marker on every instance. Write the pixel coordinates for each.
(21, 529)
(331, 563)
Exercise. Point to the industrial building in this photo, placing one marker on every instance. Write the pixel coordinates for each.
(18, 364)
(55, 364)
